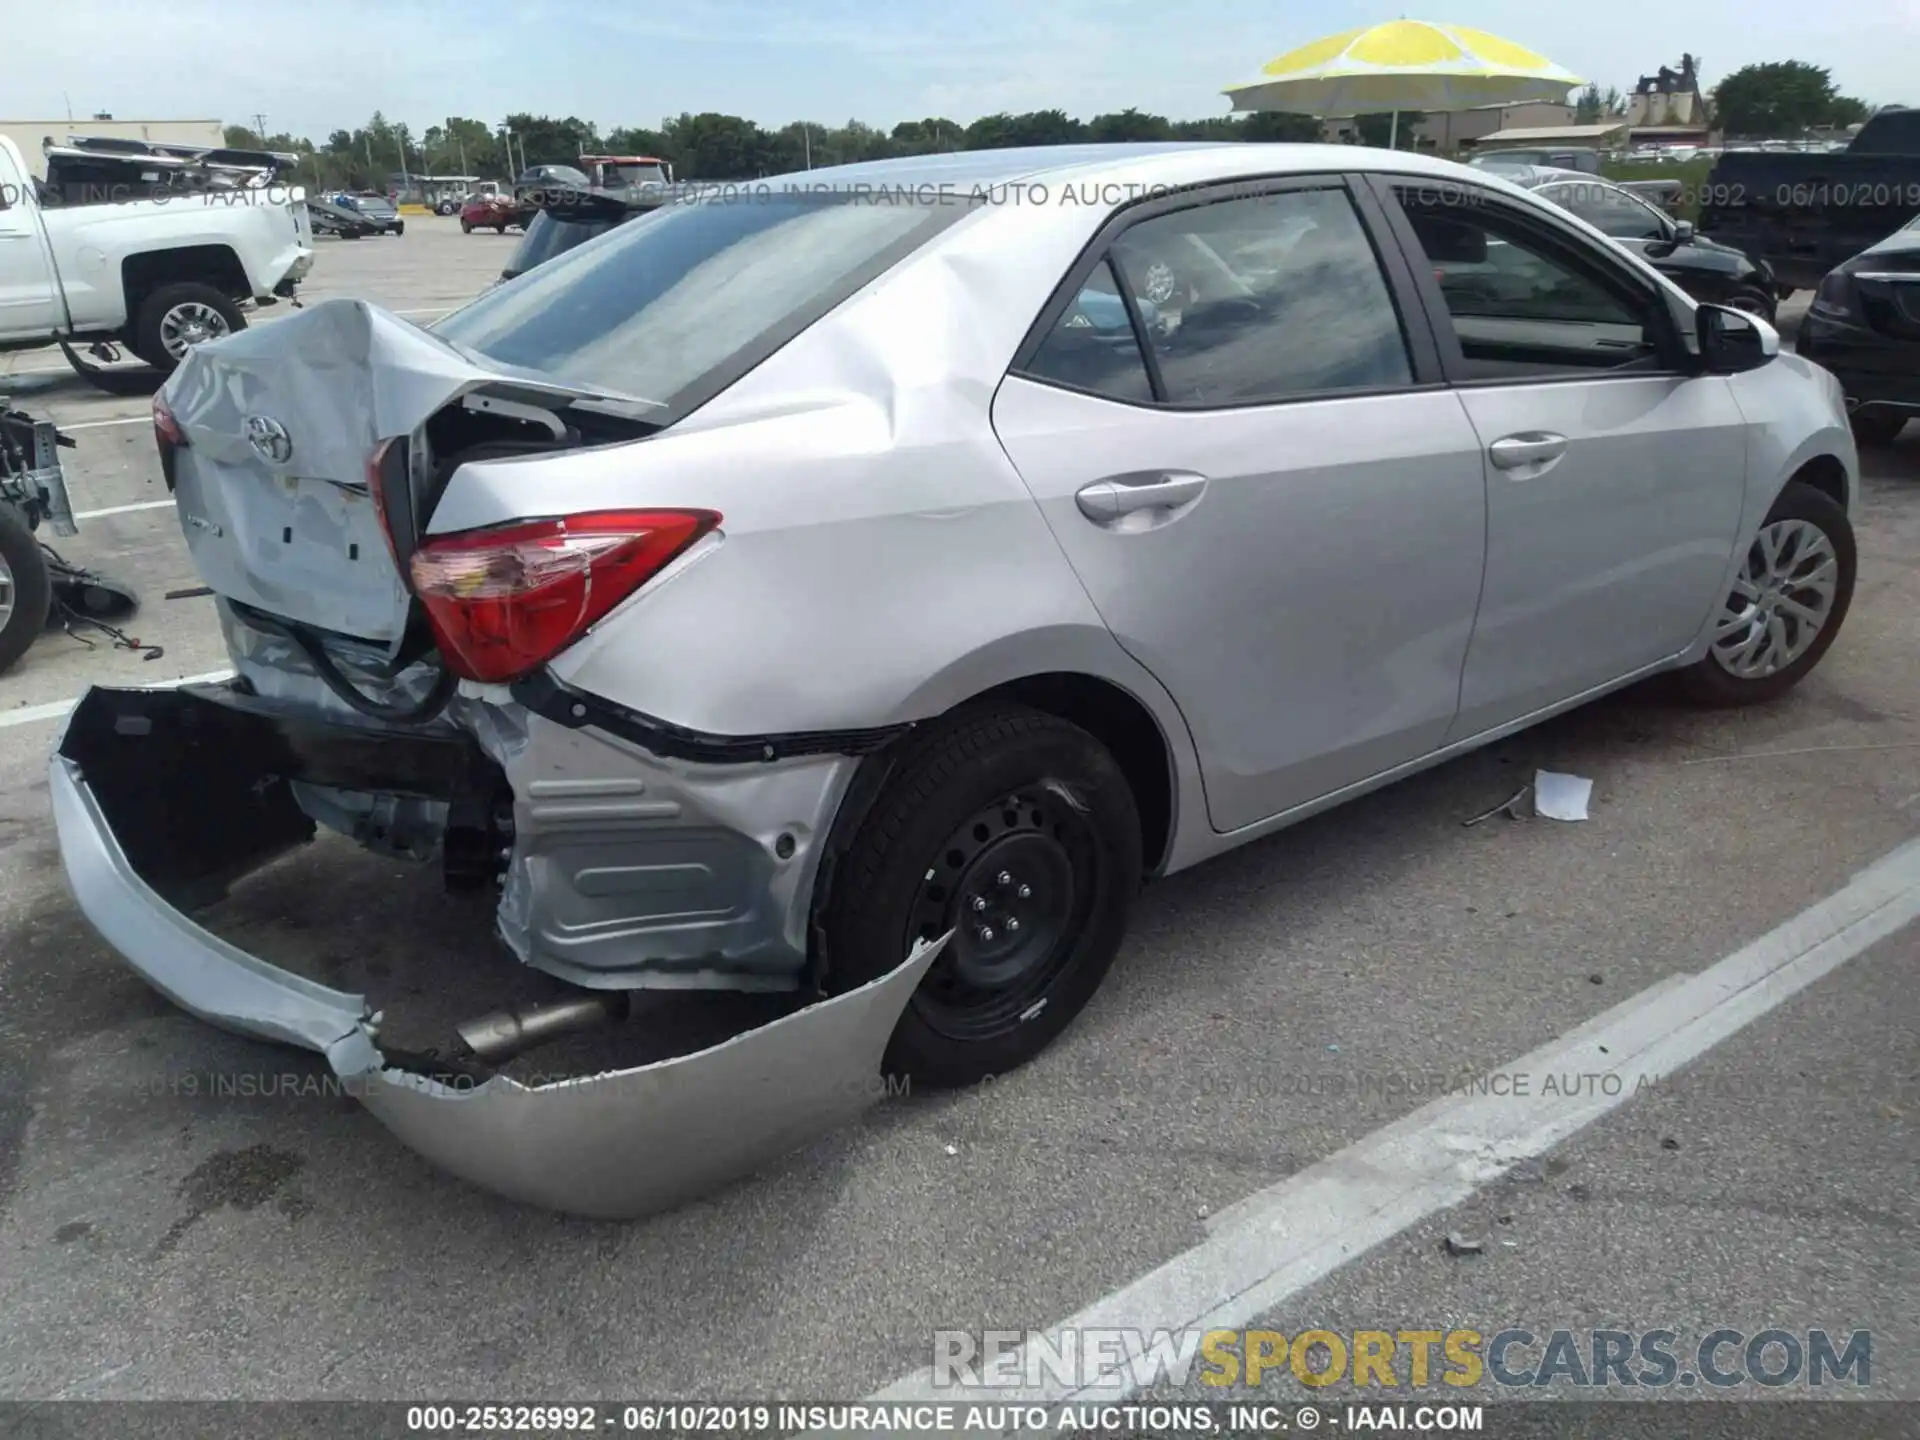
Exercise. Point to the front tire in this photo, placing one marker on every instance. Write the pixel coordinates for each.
(1017, 831)
(466, 227)
(26, 590)
(1752, 300)
(1789, 599)
(175, 318)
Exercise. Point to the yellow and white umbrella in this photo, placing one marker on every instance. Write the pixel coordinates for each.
(1404, 65)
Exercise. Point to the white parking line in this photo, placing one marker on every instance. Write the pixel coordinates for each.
(1272, 1245)
(53, 710)
(123, 509)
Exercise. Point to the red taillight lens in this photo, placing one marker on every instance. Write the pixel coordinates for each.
(166, 430)
(505, 600)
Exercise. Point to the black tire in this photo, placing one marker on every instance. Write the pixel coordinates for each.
(146, 341)
(499, 229)
(1754, 301)
(32, 587)
(1708, 682)
(466, 227)
(997, 791)
(1878, 427)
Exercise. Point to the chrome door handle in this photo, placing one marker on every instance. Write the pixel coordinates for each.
(1124, 494)
(1529, 449)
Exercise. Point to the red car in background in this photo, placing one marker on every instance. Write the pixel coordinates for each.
(490, 212)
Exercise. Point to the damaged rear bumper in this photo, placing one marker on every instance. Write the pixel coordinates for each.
(141, 845)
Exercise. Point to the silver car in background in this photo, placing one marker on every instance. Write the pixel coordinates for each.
(853, 586)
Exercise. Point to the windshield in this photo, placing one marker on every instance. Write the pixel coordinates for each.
(674, 309)
(634, 174)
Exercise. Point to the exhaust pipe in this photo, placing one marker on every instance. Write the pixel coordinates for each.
(506, 1033)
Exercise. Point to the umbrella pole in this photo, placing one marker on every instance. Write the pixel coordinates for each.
(1393, 132)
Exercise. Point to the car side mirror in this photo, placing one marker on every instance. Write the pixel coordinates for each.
(1732, 341)
(1682, 233)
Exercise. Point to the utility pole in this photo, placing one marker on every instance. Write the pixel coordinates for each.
(369, 135)
(260, 129)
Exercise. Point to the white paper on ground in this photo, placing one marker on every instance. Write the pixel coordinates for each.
(1561, 797)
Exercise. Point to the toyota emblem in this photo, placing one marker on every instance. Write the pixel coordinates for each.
(269, 437)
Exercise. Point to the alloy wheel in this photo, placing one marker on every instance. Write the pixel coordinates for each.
(190, 323)
(6, 593)
(1781, 600)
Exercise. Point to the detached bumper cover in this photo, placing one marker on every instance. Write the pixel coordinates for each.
(615, 1145)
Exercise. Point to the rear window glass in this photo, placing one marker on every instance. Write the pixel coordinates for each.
(549, 235)
(674, 307)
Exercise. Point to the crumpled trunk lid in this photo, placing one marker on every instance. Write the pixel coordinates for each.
(282, 422)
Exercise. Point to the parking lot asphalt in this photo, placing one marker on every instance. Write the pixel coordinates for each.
(184, 1214)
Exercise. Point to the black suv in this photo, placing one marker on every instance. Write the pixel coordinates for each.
(1864, 326)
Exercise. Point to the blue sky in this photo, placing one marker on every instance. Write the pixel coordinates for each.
(314, 65)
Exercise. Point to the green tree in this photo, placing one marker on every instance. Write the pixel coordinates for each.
(1281, 125)
(1589, 107)
(1782, 98)
(928, 137)
(1129, 124)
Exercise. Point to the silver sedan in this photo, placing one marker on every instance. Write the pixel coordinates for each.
(855, 584)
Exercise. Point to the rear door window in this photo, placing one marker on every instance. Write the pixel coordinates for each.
(1265, 298)
(1094, 346)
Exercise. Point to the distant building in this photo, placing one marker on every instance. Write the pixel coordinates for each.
(1667, 107)
(1459, 129)
(29, 134)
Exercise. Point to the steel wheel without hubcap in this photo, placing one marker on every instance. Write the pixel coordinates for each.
(1781, 600)
(1015, 885)
(190, 323)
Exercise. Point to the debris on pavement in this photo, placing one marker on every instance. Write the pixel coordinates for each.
(1669, 1143)
(953, 1149)
(1561, 797)
(1505, 807)
(1458, 1244)
(1596, 979)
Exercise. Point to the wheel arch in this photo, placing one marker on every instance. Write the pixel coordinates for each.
(215, 265)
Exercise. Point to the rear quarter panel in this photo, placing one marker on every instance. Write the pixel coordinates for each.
(880, 558)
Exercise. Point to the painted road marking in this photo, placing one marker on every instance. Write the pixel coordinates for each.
(1272, 1245)
(54, 709)
(123, 509)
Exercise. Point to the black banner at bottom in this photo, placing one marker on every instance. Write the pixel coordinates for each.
(1241, 1420)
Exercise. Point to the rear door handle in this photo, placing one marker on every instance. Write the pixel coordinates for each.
(1532, 448)
(1150, 490)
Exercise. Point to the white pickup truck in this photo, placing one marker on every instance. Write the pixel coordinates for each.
(157, 275)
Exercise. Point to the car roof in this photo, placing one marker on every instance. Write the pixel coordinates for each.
(1170, 162)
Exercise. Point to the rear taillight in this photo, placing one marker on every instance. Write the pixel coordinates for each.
(506, 600)
(169, 439)
(166, 430)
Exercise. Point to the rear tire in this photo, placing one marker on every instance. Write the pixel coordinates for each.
(165, 312)
(466, 227)
(499, 229)
(26, 590)
(1752, 300)
(1761, 648)
(1880, 427)
(1001, 792)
